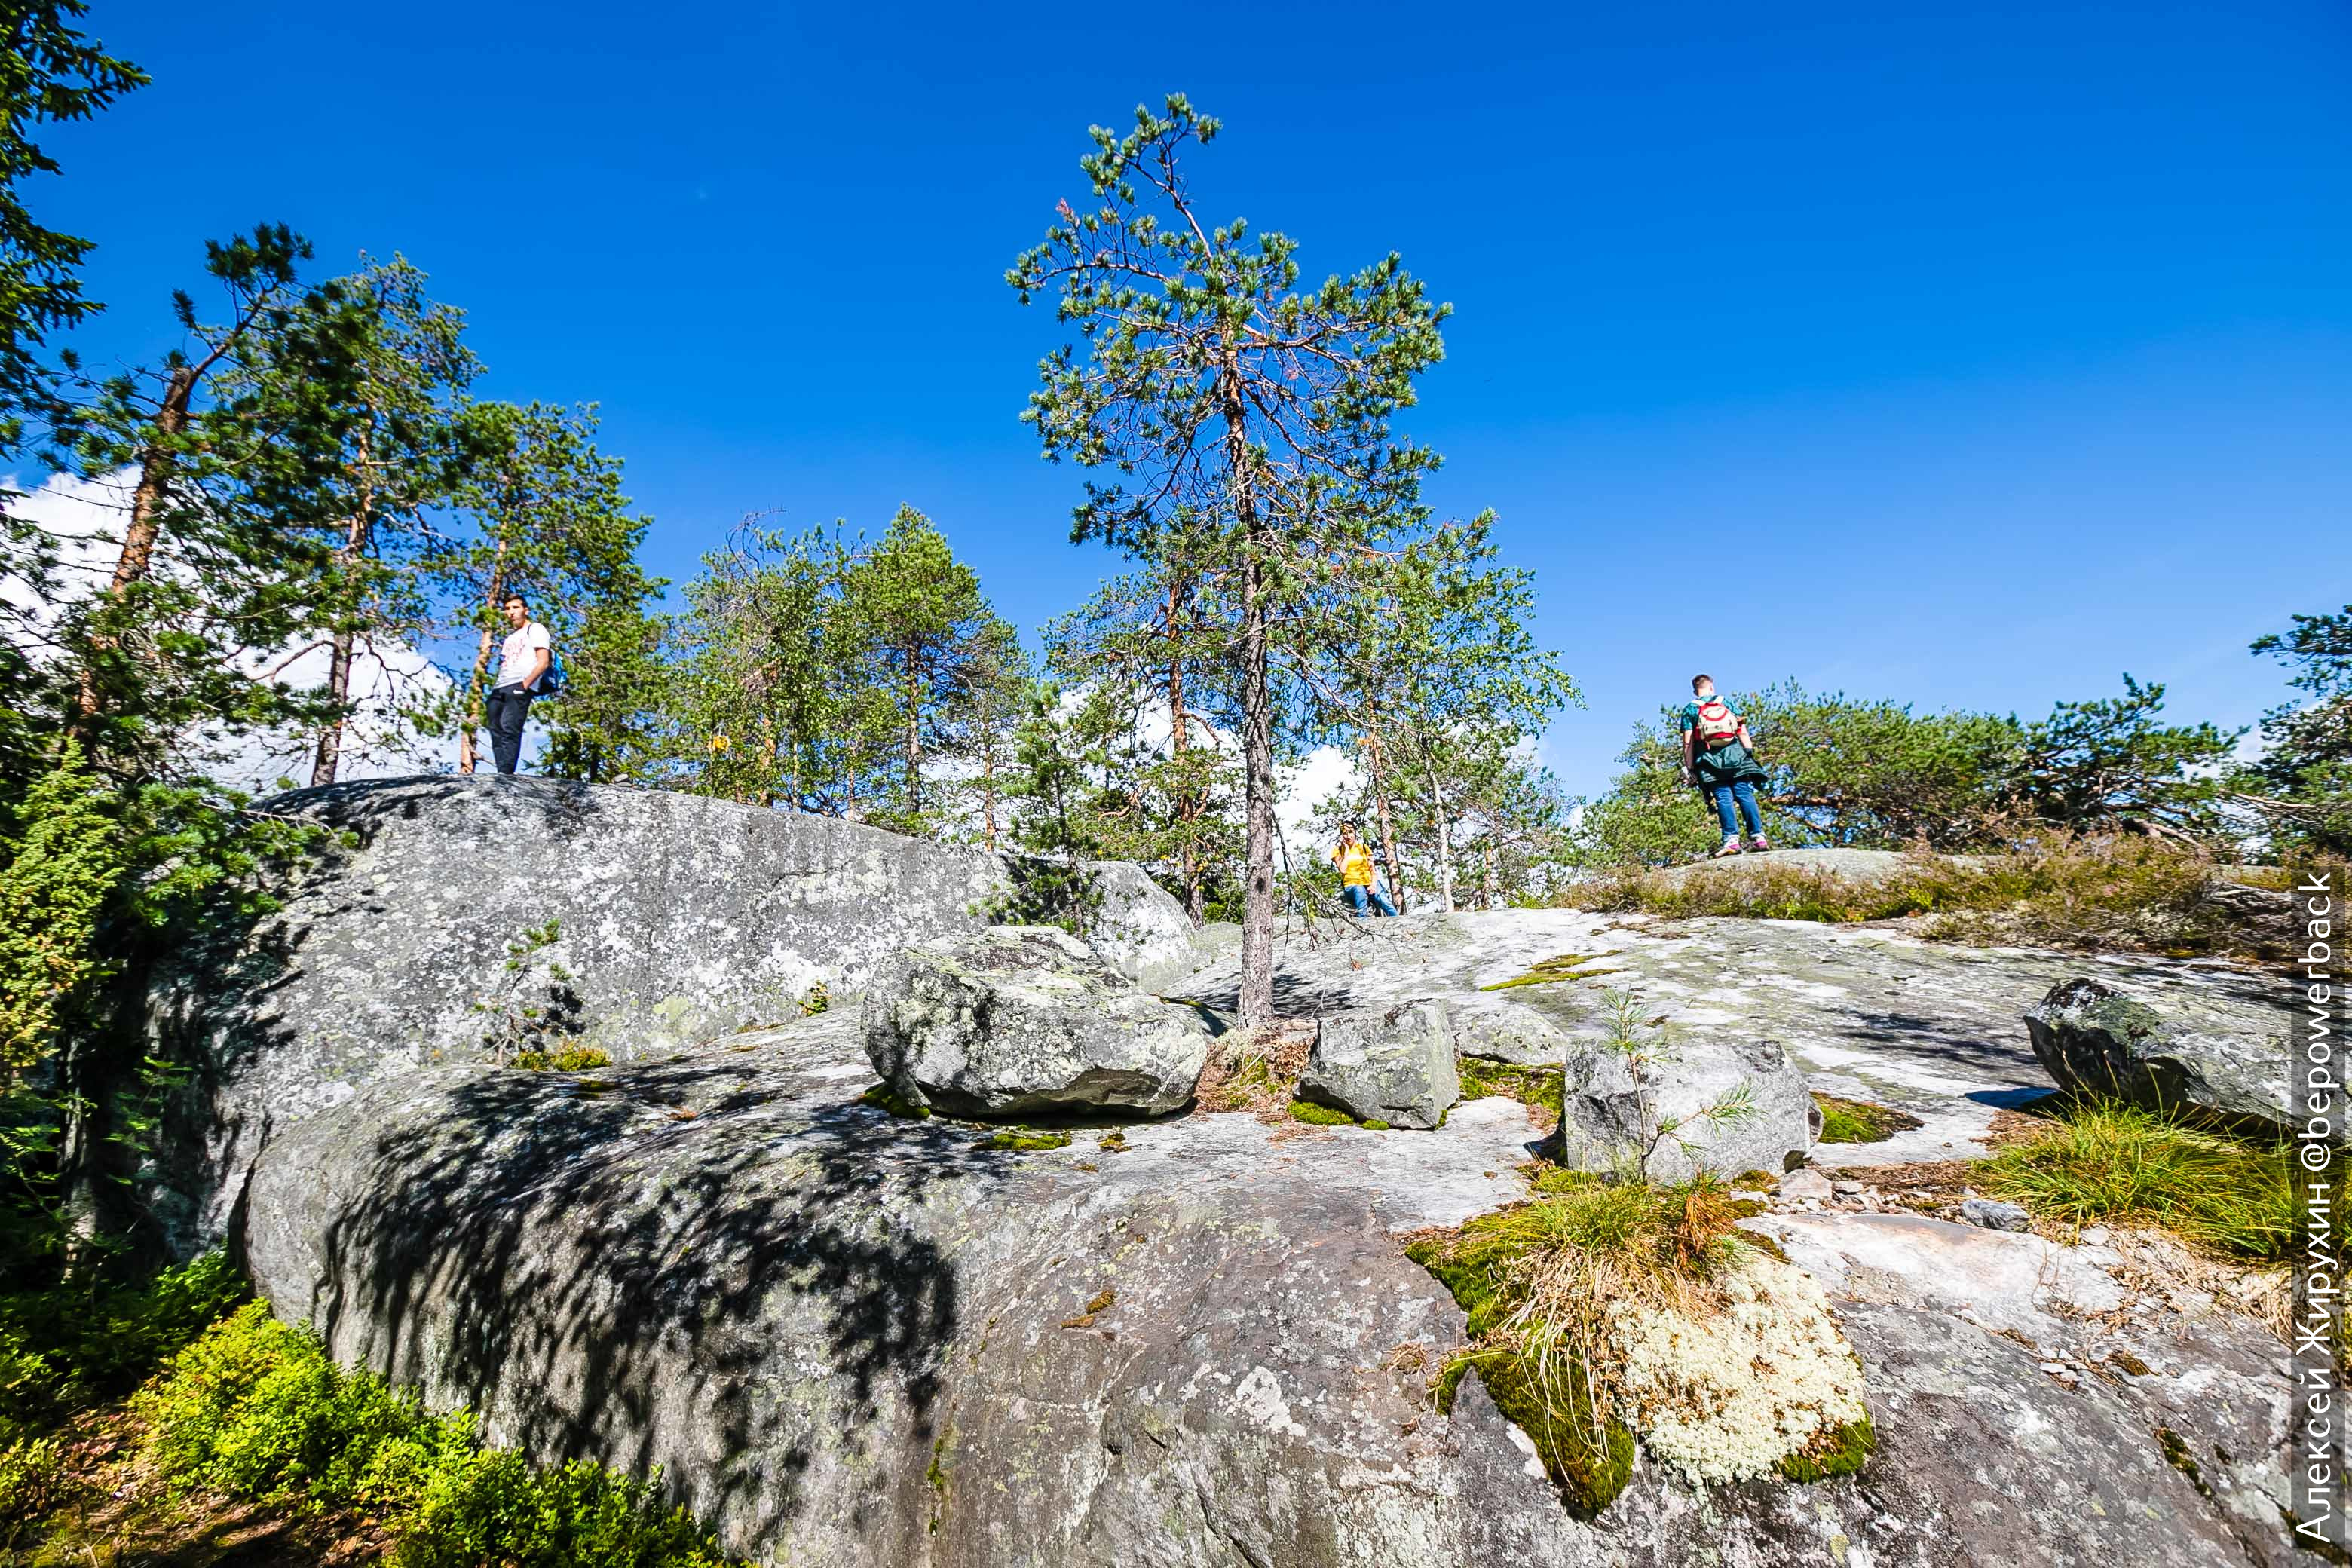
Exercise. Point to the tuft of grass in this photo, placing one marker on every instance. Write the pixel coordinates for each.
(2100, 1161)
(1859, 1121)
(1023, 1140)
(570, 1058)
(1540, 1282)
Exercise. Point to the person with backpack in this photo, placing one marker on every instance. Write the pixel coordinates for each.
(1719, 760)
(526, 670)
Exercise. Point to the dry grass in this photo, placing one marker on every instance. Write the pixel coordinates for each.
(1256, 1070)
(2126, 893)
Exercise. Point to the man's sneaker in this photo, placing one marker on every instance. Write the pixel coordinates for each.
(1758, 844)
(1730, 847)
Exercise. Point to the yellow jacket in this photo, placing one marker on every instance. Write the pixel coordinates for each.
(1355, 863)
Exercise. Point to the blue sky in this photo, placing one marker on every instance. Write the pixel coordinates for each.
(1969, 355)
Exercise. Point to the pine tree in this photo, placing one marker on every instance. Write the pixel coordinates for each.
(920, 615)
(1242, 426)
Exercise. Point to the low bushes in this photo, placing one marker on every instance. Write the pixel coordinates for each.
(68, 1347)
(256, 1411)
(2127, 891)
(2101, 1161)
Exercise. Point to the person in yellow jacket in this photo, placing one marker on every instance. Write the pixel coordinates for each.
(1354, 858)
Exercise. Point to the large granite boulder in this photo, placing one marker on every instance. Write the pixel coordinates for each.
(1725, 1103)
(2097, 1041)
(1027, 1021)
(1395, 1066)
(847, 1338)
(678, 917)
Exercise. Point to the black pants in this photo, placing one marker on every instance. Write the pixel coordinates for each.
(508, 707)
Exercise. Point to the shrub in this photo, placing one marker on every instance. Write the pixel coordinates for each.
(32, 1481)
(255, 1409)
(67, 1347)
(2107, 1161)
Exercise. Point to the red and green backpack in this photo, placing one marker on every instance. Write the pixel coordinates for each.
(1716, 724)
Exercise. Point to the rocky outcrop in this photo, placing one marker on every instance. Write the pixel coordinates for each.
(2097, 1041)
(1027, 1021)
(677, 918)
(1394, 1067)
(849, 1338)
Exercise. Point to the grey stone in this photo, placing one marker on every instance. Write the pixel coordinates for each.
(1806, 1185)
(850, 1339)
(1028, 1020)
(679, 916)
(1991, 1214)
(1617, 1112)
(1503, 1031)
(1863, 867)
(1395, 1066)
(2094, 1040)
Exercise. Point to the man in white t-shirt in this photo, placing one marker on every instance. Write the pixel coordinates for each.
(523, 660)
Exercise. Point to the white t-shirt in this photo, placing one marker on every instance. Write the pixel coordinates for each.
(515, 655)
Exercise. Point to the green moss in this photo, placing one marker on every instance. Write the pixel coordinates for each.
(1376, 1125)
(570, 1058)
(1320, 1115)
(1543, 1087)
(882, 1098)
(1021, 1140)
(1449, 1383)
(1567, 966)
(1859, 1121)
(2175, 1454)
(1840, 1451)
(1589, 1466)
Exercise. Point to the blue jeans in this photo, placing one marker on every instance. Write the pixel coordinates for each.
(1356, 897)
(1744, 794)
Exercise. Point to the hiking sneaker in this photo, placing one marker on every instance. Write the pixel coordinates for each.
(1758, 844)
(1730, 847)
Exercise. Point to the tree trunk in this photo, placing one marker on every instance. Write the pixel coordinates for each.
(1489, 885)
(338, 660)
(474, 691)
(1188, 806)
(1381, 812)
(1258, 723)
(1445, 848)
(914, 738)
(146, 526)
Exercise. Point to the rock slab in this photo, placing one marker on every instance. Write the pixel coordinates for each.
(1027, 1021)
(2094, 1040)
(1720, 1103)
(1395, 1066)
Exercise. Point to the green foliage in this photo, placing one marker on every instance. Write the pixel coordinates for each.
(1859, 1121)
(64, 865)
(2099, 1162)
(255, 1409)
(65, 1347)
(534, 1010)
(2301, 783)
(1051, 881)
(33, 1482)
(1236, 432)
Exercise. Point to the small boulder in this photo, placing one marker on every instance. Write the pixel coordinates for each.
(1395, 1067)
(1763, 1117)
(2096, 1041)
(1799, 1185)
(1991, 1214)
(1503, 1031)
(1028, 1020)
